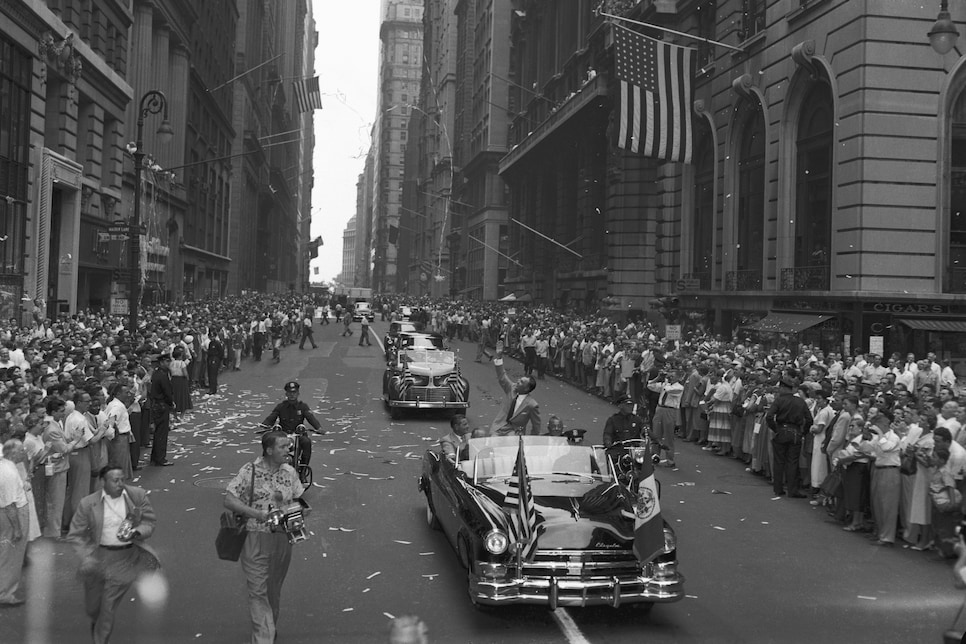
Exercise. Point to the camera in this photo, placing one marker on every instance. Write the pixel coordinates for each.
(290, 520)
(125, 532)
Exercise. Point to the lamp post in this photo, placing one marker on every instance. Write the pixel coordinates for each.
(153, 102)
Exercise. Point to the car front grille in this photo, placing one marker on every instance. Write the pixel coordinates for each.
(583, 564)
(428, 394)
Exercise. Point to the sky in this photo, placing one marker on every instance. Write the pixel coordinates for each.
(346, 62)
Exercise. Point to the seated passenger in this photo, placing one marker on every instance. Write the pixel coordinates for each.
(452, 442)
(555, 426)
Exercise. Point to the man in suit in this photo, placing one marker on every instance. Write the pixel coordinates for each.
(108, 532)
(519, 408)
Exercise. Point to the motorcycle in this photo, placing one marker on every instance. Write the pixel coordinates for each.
(295, 450)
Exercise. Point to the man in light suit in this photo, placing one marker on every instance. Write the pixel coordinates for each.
(108, 531)
(519, 408)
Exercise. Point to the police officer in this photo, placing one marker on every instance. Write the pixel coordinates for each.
(624, 425)
(292, 412)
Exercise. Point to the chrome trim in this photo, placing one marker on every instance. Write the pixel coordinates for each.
(423, 404)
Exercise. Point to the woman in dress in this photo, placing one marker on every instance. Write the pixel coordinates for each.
(916, 508)
(855, 484)
(179, 381)
(719, 418)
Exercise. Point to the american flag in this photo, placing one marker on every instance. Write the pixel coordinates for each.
(307, 95)
(518, 503)
(655, 108)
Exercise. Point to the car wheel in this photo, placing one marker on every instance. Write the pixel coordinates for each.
(431, 519)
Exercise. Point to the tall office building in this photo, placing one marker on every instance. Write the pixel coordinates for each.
(400, 62)
(348, 276)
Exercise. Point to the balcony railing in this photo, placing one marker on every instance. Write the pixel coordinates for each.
(805, 278)
(957, 280)
(743, 281)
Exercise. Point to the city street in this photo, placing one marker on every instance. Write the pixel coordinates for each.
(757, 569)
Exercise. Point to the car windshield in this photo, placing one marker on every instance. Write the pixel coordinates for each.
(496, 456)
(422, 342)
(432, 357)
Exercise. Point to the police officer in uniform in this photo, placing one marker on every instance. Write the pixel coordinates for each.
(624, 425)
(292, 412)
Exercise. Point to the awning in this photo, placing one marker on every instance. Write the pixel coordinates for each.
(508, 298)
(787, 322)
(943, 326)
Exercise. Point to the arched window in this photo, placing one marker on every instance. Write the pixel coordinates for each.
(813, 189)
(702, 251)
(956, 251)
(750, 214)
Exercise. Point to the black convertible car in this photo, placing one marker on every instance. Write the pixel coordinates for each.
(583, 554)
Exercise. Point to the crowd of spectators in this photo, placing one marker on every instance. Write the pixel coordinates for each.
(888, 429)
(74, 389)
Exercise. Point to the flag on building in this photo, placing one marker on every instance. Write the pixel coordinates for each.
(314, 247)
(307, 95)
(648, 524)
(655, 102)
(518, 503)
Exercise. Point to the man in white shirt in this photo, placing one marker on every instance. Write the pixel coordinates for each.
(77, 429)
(667, 416)
(13, 526)
(119, 452)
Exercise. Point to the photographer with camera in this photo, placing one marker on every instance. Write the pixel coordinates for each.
(292, 412)
(266, 554)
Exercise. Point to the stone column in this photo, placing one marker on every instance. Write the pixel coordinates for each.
(160, 61)
(177, 95)
(140, 62)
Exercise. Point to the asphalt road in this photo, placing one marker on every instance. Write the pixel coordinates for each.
(757, 569)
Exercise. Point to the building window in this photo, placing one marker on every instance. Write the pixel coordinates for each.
(702, 251)
(813, 207)
(706, 15)
(751, 198)
(752, 18)
(957, 199)
(15, 77)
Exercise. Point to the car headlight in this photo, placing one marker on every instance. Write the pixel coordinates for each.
(496, 542)
(670, 541)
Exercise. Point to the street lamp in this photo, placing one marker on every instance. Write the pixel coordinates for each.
(153, 102)
(943, 35)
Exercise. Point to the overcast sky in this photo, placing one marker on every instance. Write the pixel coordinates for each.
(347, 64)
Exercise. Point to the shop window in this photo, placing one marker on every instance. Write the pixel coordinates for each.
(702, 252)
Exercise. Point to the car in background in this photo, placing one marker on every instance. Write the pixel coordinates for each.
(423, 375)
(363, 308)
(405, 313)
(584, 522)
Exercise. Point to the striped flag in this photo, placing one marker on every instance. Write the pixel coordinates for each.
(307, 95)
(648, 524)
(655, 102)
(518, 503)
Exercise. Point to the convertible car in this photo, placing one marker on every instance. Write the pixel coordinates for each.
(584, 522)
(397, 328)
(419, 375)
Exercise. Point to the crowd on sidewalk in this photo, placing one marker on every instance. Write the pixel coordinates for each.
(78, 392)
(884, 434)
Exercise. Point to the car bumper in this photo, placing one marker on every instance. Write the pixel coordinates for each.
(423, 404)
(567, 592)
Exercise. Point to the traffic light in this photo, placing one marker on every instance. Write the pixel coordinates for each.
(669, 307)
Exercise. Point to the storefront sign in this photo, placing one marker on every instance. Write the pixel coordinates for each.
(875, 344)
(905, 307)
(672, 332)
(689, 285)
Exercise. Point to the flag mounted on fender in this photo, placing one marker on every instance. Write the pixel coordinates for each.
(656, 95)
(307, 94)
(648, 524)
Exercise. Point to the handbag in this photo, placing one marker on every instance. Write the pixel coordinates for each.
(946, 499)
(232, 533)
(908, 463)
(833, 483)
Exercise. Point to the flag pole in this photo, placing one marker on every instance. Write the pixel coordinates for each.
(549, 239)
(672, 31)
(485, 245)
(232, 80)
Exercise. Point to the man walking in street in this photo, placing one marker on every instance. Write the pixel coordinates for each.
(364, 335)
(347, 321)
(162, 403)
(268, 482)
(307, 331)
(14, 517)
(108, 533)
(215, 356)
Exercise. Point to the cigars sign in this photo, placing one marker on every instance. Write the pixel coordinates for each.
(906, 307)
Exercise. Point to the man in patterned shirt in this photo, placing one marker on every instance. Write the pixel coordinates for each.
(266, 484)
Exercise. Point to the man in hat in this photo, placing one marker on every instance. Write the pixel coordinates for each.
(789, 418)
(292, 412)
(625, 424)
(667, 413)
(161, 395)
